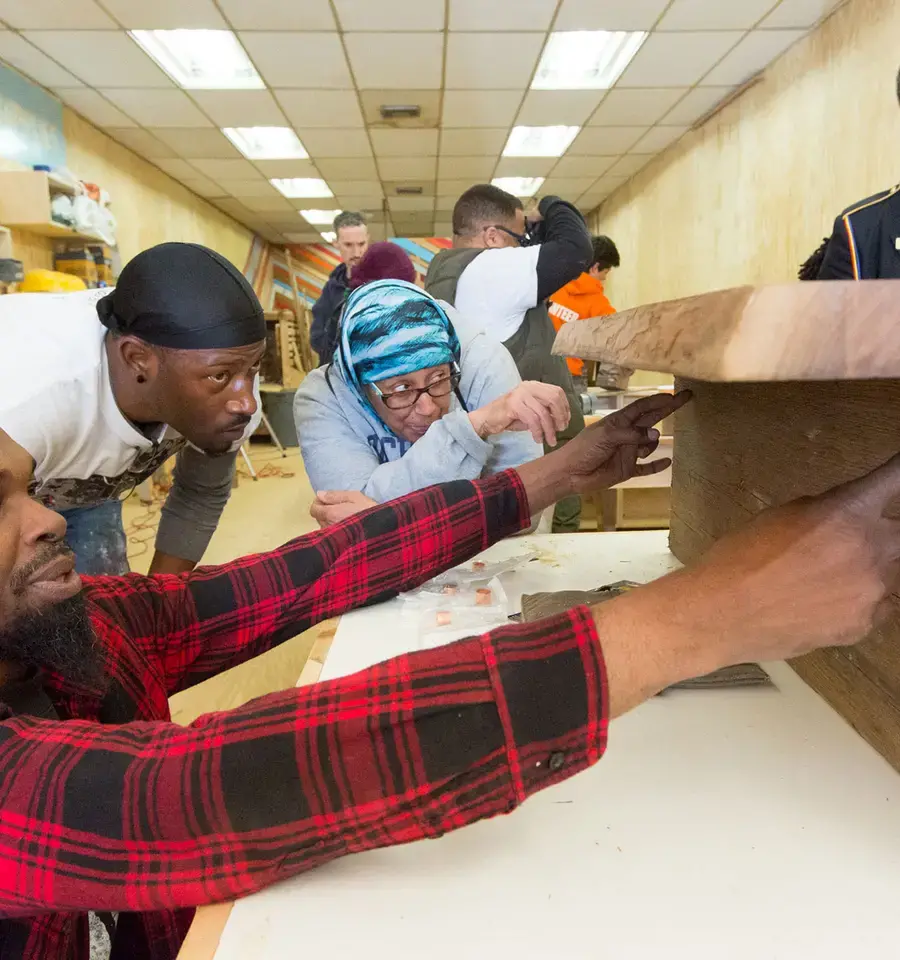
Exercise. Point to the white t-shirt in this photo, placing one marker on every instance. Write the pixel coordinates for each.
(56, 402)
(498, 287)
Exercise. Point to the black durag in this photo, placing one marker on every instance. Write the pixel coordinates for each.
(185, 297)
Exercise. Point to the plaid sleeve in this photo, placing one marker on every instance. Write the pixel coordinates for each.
(205, 622)
(149, 816)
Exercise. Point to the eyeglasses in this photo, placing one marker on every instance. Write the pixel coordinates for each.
(401, 399)
(523, 239)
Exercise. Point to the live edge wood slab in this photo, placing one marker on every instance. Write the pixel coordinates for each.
(797, 388)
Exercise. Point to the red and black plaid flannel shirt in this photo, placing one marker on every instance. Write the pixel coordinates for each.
(113, 807)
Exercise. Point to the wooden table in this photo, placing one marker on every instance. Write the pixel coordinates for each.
(747, 824)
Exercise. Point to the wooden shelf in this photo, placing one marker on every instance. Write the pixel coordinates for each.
(53, 229)
(834, 330)
(25, 197)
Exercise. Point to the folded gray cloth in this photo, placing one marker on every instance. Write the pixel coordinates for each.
(537, 606)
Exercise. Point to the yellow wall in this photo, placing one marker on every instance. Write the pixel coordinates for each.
(748, 196)
(149, 205)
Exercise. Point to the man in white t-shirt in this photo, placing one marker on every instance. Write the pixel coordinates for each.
(500, 274)
(101, 388)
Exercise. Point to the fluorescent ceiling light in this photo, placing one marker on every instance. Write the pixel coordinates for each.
(585, 59)
(319, 217)
(539, 141)
(267, 143)
(519, 186)
(302, 187)
(201, 59)
(329, 236)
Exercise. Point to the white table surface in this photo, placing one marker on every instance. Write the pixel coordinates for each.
(721, 825)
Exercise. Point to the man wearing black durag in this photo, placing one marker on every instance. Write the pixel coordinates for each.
(101, 388)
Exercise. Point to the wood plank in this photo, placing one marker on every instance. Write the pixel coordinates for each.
(797, 331)
(742, 447)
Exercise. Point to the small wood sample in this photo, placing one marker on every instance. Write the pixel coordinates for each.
(443, 618)
(450, 590)
(483, 597)
(840, 330)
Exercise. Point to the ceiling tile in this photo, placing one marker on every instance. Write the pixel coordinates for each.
(320, 108)
(569, 188)
(524, 166)
(659, 138)
(286, 168)
(609, 182)
(392, 61)
(55, 14)
(479, 169)
(336, 143)
(359, 188)
(195, 142)
(265, 204)
(371, 203)
(143, 143)
(635, 108)
(406, 204)
(605, 141)
(755, 52)
(695, 104)
(407, 168)
(501, 15)
(26, 58)
(390, 15)
(302, 237)
(239, 108)
(405, 143)
(480, 108)
(477, 61)
(227, 169)
(340, 168)
(715, 15)
(248, 188)
(167, 14)
(101, 58)
(447, 201)
(583, 166)
(155, 108)
(677, 59)
(93, 107)
(452, 188)
(609, 15)
(278, 15)
(472, 143)
(551, 107)
(202, 185)
(629, 166)
(290, 59)
(179, 169)
(798, 13)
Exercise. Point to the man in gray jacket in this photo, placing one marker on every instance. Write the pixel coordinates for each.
(102, 387)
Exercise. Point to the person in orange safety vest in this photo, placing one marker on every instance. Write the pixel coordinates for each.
(585, 297)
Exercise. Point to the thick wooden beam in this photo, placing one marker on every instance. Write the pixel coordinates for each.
(796, 331)
(742, 447)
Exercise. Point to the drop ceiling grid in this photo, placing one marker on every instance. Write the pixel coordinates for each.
(135, 101)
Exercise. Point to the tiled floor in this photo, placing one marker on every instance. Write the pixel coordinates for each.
(260, 515)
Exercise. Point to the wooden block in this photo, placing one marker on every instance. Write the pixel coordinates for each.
(797, 331)
(742, 447)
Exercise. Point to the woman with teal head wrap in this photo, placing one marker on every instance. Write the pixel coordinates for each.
(415, 395)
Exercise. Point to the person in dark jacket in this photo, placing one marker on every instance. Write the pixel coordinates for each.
(865, 244)
(500, 272)
(352, 238)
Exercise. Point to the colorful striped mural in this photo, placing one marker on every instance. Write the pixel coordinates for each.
(276, 272)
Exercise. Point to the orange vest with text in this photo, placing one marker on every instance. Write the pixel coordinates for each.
(579, 299)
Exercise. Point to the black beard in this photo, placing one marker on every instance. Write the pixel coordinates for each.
(60, 639)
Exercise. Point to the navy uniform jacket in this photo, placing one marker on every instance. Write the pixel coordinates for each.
(326, 313)
(864, 244)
